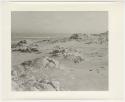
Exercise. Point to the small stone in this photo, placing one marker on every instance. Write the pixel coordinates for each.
(33, 89)
(44, 81)
(50, 88)
(90, 70)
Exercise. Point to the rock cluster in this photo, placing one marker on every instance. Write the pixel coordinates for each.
(67, 53)
(24, 75)
(25, 46)
(50, 63)
(30, 83)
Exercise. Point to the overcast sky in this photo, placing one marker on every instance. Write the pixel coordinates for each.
(49, 22)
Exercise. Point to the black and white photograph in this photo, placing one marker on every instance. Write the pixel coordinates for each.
(59, 51)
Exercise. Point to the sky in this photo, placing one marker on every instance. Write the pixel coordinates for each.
(28, 23)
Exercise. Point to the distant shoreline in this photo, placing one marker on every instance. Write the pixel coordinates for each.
(32, 37)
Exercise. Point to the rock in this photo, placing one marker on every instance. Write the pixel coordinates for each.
(48, 85)
(50, 88)
(50, 63)
(56, 85)
(15, 86)
(68, 53)
(27, 65)
(14, 73)
(74, 56)
(90, 70)
(25, 46)
(17, 70)
(44, 81)
(34, 89)
(57, 51)
(44, 87)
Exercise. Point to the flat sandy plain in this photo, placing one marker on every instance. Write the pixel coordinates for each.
(90, 73)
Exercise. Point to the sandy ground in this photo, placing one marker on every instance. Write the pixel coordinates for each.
(89, 75)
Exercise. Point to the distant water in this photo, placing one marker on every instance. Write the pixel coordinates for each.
(30, 38)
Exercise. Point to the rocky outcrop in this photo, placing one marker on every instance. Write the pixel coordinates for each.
(25, 46)
(67, 53)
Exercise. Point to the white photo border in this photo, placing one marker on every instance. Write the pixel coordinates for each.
(115, 26)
